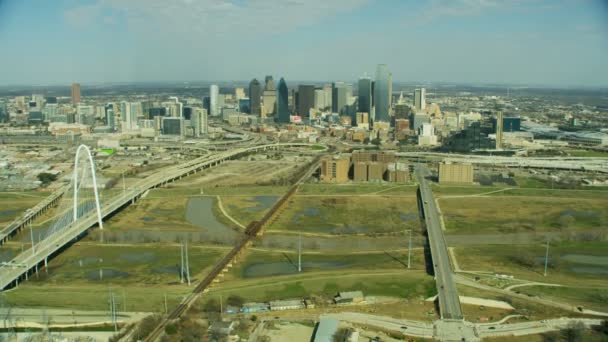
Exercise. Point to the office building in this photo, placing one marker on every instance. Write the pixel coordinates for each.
(173, 126)
(335, 169)
(35, 118)
(418, 120)
(239, 93)
(228, 111)
(51, 100)
(420, 99)
(327, 89)
(382, 93)
(157, 111)
(455, 173)
(199, 121)
(364, 95)
(306, 100)
(187, 112)
(214, 92)
(244, 105)
(339, 97)
(269, 83)
(109, 119)
(75, 93)
(269, 102)
(320, 99)
(427, 135)
(283, 102)
(51, 109)
(362, 120)
(509, 124)
(499, 123)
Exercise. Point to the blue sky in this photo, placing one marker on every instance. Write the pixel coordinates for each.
(528, 42)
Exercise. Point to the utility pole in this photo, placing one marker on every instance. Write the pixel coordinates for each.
(409, 251)
(187, 264)
(547, 257)
(181, 271)
(166, 310)
(300, 252)
(124, 187)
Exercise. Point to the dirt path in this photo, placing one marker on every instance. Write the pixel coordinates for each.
(219, 204)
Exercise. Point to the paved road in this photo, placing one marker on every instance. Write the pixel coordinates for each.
(407, 327)
(449, 303)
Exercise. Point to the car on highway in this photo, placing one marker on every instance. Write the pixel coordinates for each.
(425, 202)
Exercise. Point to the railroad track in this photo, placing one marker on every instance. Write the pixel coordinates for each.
(252, 230)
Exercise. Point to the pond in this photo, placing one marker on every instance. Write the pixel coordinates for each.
(262, 203)
(285, 267)
(199, 212)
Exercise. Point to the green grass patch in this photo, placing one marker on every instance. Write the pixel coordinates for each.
(349, 215)
(508, 214)
(351, 188)
(588, 298)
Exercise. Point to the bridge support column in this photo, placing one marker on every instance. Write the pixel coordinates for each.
(46, 268)
(26, 276)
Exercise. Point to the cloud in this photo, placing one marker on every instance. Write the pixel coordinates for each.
(213, 18)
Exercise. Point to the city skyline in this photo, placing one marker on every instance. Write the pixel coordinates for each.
(471, 42)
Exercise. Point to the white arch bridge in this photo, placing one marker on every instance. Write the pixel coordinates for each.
(85, 210)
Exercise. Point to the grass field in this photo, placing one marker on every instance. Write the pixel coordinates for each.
(355, 188)
(569, 262)
(260, 263)
(142, 265)
(143, 273)
(349, 215)
(509, 214)
(587, 153)
(153, 213)
(14, 204)
(394, 283)
(588, 298)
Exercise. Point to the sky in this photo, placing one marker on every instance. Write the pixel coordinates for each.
(524, 42)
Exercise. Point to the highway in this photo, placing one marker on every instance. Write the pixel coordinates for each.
(30, 259)
(29, 215)
(449, 303)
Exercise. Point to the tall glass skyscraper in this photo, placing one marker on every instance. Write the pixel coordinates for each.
(382, 93)
(255, 95)
(283, 102)
(214, 92)
(364, 94)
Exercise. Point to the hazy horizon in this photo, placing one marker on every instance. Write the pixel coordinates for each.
(537, 43)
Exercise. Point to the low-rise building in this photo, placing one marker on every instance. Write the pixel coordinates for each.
(254, 307)
(289, 304)
(335, 169)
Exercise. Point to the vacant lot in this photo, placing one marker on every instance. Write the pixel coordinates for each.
(349, 215)
(511, 214)
(570, 263)
(14, 204)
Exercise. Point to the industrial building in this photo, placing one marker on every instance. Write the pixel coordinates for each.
(455, 173)
(326, 329)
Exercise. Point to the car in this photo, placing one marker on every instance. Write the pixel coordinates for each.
(425, 202)
(492, 328)
(404, 327)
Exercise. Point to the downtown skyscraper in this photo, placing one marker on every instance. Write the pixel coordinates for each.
(214, 92)
(255, 96)
(364, 96)
(283, 102)
(382, 93)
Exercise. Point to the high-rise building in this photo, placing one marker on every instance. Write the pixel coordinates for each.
(335, 169)
(339, 96)
(173, 126)
(214, 92)
(187, 112)
(75, 93)
(327, 89)
(239, 93)
(499, 123)
(364, 93)
(255, 94)
(306, 100)
(420, 99)
(4, 118)
(382, 93)
(269, 83)
(269, 102)
(283, 102)
(320, 101)
(199, 121)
